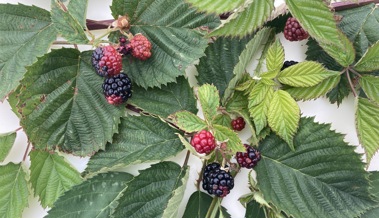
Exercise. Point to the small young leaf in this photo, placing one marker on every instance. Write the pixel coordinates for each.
(140, 139)
(13, 191)
(78, 10)
(313, 92)
(373, 213)
(370, 60)
(95, 197)
(283, 116)
(248, 17)
(198, 205)
(26, 33)
(305, 74)
(258, 94)
(259, 112)
(367, 124)
(254, 210)
(51, 176)
(307, 181)
(148, 196)
(275, 57)
(223, 134)
(6, 144)
(370, 85)
(189, 122)
(209, 100)
(66, 24)
(166, 100)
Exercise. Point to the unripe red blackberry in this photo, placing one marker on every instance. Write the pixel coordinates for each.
(106, 61)
(287, 64)
(217, 181)
(293, 30)
(117, 89)
(124, 46)
(203, 142)
(141, 47)
(238, 124)
(248, 159)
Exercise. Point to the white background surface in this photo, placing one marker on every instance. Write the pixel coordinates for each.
(341, 118)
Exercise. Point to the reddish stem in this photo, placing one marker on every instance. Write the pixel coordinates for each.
(26, 152)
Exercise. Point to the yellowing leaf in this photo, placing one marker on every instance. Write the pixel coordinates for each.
(275, 57)
(209, 100)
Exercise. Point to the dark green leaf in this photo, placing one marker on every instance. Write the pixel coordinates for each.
(373, 213)
(95, 197)
(6, 144)
(140, 139)
(340, 92)
(26, 33)
(78, 10)
(254, 210)
(198, 205)
(63, 105)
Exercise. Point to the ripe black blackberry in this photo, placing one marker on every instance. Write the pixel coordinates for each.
(293, 30)
(217, 181)
(248, 159)
(107, 61)
(287, 64)
(117, 89)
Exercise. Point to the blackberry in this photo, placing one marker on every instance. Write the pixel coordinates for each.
(287, 64)
(238, 124)
(248, 159)
(217, 181)
(117, 89)
(141, 47)
(106, 61)
(293, 30)
(203, 142)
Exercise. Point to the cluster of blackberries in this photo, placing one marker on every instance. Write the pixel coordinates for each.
(287, 64)
(139, 46)
(217, 181)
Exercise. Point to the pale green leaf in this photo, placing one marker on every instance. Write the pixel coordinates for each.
(367, 124)
(316, 18)
(322, 177)
(140, 139)
(188, 121)
(251, 49)
(373, 213)
(166, 100)
(6, 144)
(78, 10)
(275, 57)
(13, 191)
(216, 6)
(170, 27)
(370, 85)
(313, 92)
(305, 74)
(209, 100)
(258, 94)
(223, 120)
(67, 25)
(51, 176)
(26, 32)
(198, 205)
(187, 145)
(283, 116)
(248, 18)
(224, 134)
(370, 60)
(259, 112)
(95, 197)
(148, 196)
(63, 105)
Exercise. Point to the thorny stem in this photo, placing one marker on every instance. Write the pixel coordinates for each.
(26, 152)
(18, 129)
(186, 160)
(351, 83)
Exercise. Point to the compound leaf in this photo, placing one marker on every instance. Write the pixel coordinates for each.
(6, 144)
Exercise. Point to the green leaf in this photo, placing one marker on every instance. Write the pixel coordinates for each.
(78, 10)
(248, 17)
(166, 100)
(370, 85)
(189, 122)
(259, 112)
(26, 33)
(223, 120)
(148, 196)
(374, 178)
(316, 18)
(51, 176)
(370, 60)
(141, 139)
(6, 144)
(367, 124)
(307, 181)
(283, 116)
(198, 205)
(65, 23)
(13, 191)
(209, 100)
(63, 105)
(95, 197)
(258, 94)
(252, 47)
(215, 6)
(216, 67)
(275, 57)
(313, 92)
(305, 74)
(254, 210)
(224, 134)
(169, 26)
